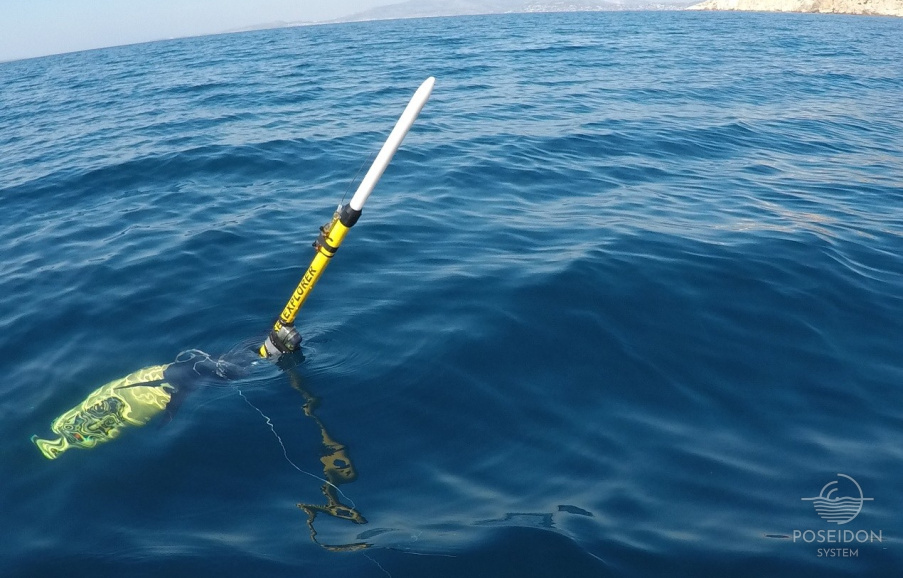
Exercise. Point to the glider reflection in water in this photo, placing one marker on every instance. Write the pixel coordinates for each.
(338, 469)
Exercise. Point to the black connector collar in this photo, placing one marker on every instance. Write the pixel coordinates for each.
(349, 216)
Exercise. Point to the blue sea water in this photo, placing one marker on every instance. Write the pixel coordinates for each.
(627, 299)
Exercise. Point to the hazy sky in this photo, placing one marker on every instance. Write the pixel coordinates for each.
(40, 27)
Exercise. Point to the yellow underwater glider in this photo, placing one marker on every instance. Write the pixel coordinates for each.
(136, 398)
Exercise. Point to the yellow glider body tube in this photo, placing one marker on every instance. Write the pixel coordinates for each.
(284, 337)
(334, 234)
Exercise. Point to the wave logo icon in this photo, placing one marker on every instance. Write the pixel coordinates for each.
(840, 501)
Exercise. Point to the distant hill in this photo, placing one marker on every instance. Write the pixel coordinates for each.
(431, 8)
(872, 7)
(436, 8)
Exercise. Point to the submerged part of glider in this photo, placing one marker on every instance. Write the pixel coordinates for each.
(130, 401)
(133, 401)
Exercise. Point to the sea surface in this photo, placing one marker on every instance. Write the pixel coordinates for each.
(628, 301)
